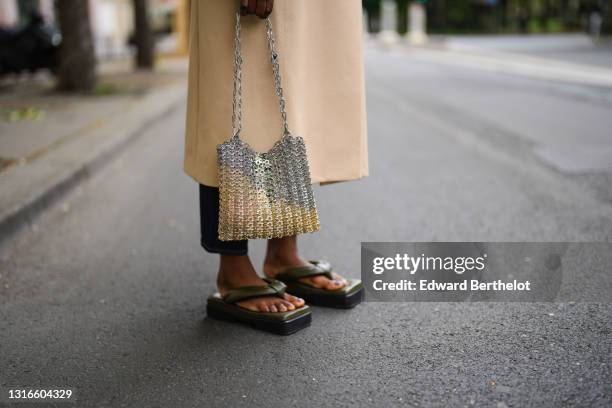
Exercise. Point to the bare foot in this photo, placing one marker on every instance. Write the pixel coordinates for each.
(237, 271)
(282, 254)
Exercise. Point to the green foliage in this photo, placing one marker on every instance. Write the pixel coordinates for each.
(534, 26)
(554, 25)
(30, 113)
(476, 16)
(104, 89)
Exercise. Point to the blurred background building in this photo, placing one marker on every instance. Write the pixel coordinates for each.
(112, 21)
(90, 31)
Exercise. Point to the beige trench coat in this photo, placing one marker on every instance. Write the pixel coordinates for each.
(321, 56)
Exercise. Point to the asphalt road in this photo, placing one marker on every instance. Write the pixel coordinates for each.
(106, 292)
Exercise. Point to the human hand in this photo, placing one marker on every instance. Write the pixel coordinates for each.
(261, 8)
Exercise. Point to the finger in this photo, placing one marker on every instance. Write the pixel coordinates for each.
(269, 7)
(243, 7)
(261, 8)
(252, 7)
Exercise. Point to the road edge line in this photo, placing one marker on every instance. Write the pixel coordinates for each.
(34, 205)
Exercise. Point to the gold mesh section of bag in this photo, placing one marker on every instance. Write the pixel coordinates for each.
(247, 213)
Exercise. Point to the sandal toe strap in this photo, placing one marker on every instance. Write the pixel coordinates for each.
(273, 288)
(316, 268)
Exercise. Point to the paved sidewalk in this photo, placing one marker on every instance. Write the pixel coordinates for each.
(571, 59)
(48, 141)
(516, 42)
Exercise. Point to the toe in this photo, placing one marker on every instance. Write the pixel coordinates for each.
(263, 307)
(331, 285)
(334, 284)
(273, 308)
(296, 301)
(338, 281)
(289, 305)
(318, 281)
(281, 307)
(339, 278)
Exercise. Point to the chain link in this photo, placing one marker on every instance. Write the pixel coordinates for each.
(237, 97)
(277, 76)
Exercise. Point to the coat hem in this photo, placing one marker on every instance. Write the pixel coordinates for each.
(321, 180)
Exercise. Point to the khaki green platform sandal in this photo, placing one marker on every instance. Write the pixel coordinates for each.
(225, 308)
(344, 298)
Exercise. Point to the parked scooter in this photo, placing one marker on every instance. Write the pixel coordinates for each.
(29, 49)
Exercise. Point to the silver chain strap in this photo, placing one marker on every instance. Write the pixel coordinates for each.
(237, 97)
(237, 101)
(277, 76)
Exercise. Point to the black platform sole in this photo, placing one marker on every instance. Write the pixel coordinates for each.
(281, 327)
(338, 302)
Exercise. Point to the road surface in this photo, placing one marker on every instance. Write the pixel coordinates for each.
(106, 291)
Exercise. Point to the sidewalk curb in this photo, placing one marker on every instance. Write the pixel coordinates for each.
(504, 62)
(528, 66)
(30, 189)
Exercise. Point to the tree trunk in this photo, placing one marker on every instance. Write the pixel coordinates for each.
(402, 16)
(606, 28)
(77, 62)
(436, 15)
(503, 14)
(143, 36)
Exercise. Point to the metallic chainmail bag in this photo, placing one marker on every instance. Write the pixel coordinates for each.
(263, 195)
